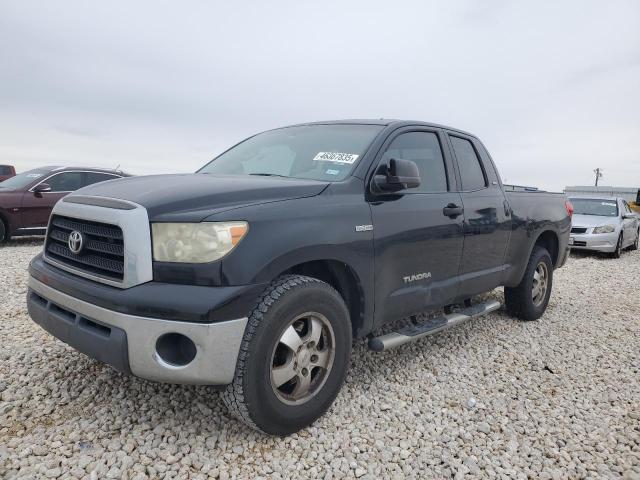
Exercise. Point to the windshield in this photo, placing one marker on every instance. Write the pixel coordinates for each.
(316, 152)
(592, 206)
(23, 179)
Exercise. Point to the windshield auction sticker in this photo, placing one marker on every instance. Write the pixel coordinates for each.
(346, 158)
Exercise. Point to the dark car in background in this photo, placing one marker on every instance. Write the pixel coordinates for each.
(6, 171)
(26, 199)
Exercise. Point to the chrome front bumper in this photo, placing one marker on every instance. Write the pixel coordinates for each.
(602, 242)
(129, 342)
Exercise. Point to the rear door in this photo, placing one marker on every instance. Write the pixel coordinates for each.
(487, 216)
(417, 246)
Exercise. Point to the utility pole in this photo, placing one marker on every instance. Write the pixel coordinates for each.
(598, 173)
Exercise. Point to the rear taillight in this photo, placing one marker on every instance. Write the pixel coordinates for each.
(569, 206)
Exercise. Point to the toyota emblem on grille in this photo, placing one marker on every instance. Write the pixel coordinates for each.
(76, 242)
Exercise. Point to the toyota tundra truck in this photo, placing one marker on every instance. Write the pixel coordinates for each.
(256, 273)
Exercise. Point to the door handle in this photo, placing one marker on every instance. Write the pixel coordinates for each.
(452, 210)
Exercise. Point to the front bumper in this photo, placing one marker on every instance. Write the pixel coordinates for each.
(130, 343)
(601, 242)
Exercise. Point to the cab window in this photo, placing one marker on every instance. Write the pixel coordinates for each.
(424, 149)
(471, 171)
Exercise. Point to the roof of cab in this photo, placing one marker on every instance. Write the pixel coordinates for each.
(387, 122)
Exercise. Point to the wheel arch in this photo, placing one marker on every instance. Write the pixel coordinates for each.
(548, 239)
(344, 279)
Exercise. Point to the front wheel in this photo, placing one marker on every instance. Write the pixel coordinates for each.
(529, 300)
(617, 253)
(293, 358)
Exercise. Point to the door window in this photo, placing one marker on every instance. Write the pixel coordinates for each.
(65, 181)
(96, 177)
(471, 172)
(424, 149)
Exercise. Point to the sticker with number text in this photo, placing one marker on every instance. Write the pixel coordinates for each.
(346, 158)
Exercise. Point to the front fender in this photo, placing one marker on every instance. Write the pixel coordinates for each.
(292, 232)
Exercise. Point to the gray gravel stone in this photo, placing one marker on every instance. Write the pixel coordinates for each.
(557, 398)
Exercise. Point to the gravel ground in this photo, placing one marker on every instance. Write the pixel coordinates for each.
(557, 398)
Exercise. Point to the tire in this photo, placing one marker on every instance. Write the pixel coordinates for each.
(636, 244)
(4, 236)
(298, 304)
(617, 253)
(522, 301)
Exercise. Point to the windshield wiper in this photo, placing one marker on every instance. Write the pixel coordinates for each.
(269, 175)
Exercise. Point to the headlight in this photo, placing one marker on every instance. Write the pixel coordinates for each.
(605, 229)
(195, 242)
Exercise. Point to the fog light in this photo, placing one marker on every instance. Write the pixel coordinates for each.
(176, 349)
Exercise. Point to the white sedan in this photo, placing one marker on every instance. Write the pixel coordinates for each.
(604, 224)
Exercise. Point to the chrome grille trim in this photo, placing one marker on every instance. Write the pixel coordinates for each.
(133, 225)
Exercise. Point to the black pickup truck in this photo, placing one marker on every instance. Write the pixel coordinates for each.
(256, 272)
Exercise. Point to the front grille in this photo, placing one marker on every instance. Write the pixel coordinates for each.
(579, 244)
(102, 253)
(578, 230)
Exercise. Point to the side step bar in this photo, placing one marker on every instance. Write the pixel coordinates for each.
(431, 326)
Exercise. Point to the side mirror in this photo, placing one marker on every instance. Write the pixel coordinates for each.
(41, 188)
(629, 216)
(398, 175)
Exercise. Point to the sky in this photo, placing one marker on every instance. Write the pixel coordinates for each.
(551, 88)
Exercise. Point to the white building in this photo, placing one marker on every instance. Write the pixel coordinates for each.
(630, 194)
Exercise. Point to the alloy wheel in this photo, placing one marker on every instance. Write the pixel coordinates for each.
(540, 284)
(302, 358)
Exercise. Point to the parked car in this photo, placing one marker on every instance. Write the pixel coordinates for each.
(255, 273)
(26, 199)
(6, 171)
(604, 224)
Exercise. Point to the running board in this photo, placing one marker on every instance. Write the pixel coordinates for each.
(431, 326)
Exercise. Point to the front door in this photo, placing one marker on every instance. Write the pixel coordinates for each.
(629, 225)
(417, 245)
(36, 207)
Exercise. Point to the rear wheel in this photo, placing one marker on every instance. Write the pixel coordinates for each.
(617, 253)
(293, 358)
(529, 300)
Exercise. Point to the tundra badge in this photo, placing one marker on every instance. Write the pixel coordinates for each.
(416, 277)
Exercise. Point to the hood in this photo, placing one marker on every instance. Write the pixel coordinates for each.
(593, 220)
(193, 197)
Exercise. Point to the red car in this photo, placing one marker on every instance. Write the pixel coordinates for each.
(6, 171)
(26, 199)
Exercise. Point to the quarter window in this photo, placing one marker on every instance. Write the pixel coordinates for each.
(423, 148)
(65, 182)
(471, 172)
